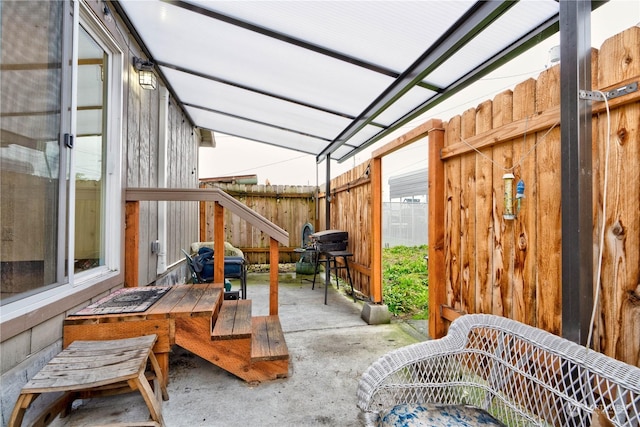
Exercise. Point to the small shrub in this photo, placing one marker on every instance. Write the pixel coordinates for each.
(406, 281)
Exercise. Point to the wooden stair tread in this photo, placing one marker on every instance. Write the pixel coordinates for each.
(267, 340)
(234, 320)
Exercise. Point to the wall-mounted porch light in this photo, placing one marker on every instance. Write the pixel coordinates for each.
(146, 77)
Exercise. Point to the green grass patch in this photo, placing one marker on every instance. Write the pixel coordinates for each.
(406, 281)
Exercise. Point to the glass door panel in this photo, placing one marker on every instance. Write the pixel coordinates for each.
(89, 154)
(31, 78)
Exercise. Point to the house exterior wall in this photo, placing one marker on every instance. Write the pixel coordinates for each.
(33, 337)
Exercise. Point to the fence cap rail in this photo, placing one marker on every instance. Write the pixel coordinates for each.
(210, 195)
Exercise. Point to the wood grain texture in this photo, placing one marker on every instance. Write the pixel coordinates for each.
(452, 217)
(234, 320)
(437, 248)
(525, 234)
(484, 214)
(131, 243)
(267, 339)
(549, 225)
(468, 231)
(503, 236)
(518, 263)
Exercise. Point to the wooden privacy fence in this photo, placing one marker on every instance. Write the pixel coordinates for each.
(351, 211)
(513, 267)
(288, 206)
(480, 262)
(293, 206)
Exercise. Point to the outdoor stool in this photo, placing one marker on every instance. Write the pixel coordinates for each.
(330, 257)
(97, 368)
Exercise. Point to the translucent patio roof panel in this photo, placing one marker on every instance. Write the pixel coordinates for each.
(412, 99)
(509, 27)
(251, 106)
(248, 130)
(360, 29)
(231, 54)
(327, 77)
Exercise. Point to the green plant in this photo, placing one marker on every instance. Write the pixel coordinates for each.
(406, 280)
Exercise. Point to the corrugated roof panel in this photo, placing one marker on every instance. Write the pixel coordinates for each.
(372, 31)
(192, 41)
(255, 131)
(410, 100)
(519, 20)
(326, 77)
(252, 106)
(415, 183)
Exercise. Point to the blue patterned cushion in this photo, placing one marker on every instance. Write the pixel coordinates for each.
(437, 415)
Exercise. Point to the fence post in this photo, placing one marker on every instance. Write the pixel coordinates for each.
(376, 225)
(437, 279)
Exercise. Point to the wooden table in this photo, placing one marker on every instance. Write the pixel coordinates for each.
(181, 302)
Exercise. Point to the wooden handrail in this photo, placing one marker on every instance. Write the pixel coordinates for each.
(221, 200)
(210, 195)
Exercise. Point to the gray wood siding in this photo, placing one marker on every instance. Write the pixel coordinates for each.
(142, 122)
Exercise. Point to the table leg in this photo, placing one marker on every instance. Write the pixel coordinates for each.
(163, 363)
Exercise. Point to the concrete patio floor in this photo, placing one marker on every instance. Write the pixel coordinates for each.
(329, 347)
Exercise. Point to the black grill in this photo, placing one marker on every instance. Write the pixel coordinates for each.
(329, 240)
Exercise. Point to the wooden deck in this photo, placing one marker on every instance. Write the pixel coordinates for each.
(197, 318)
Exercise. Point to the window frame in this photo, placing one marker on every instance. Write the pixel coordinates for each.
(72, 289)
(113, 153)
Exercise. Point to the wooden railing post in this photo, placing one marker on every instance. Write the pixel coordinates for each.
(221, 201)
(218, 243)
(131, 247)
(274, 258)
(203, 220)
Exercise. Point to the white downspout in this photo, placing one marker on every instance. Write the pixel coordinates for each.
(163, 121)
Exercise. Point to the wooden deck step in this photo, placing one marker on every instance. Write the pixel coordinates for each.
(267, 340)
(234, 320)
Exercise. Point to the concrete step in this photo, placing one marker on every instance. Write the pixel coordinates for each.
(267, 339)
(234, 320)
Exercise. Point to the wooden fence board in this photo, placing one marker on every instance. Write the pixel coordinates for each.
(549, 291)
(502, 112)
(619, 58)
(452, 217)
(468, 227)
(524, 269)
(484, 207)
(288, 206)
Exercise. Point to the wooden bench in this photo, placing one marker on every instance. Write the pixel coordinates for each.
(88, 369)
(518, 374)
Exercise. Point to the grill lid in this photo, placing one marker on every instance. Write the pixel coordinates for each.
(330, 236)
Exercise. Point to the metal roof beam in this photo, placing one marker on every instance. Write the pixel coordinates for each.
(282, 37)
(536, 36)
(247, 119)
(463, 31)
(258, 91)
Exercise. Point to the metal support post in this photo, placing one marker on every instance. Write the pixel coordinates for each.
(576, 174)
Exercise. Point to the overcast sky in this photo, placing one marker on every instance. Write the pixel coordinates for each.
(235, 156)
